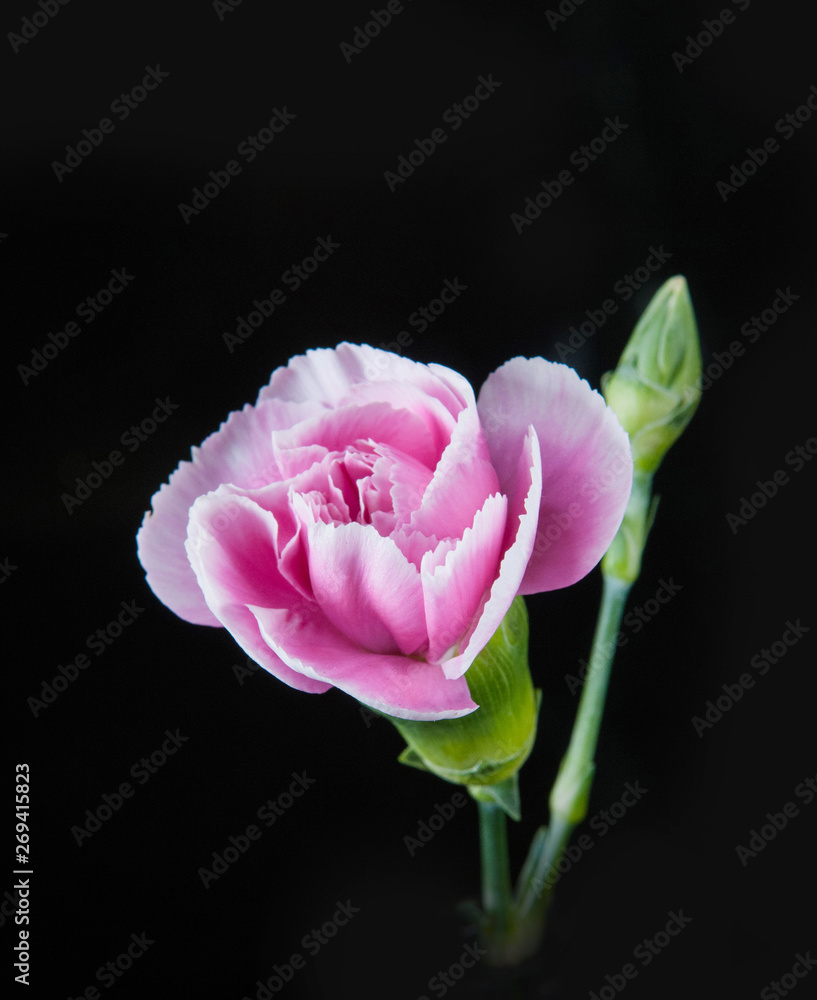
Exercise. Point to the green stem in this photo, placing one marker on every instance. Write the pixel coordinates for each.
(568, 799)
(571, 791)
(496, 874)
(513, 928)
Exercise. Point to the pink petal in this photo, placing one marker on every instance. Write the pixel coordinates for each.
(232, 544)
(330, 376)
(366, 587)
(463, 479)
(405, 481)
(233, 549)
(239, 452)
(397, 685)
(586, 464)
(344, 427)
(457, 577)
(520, 533)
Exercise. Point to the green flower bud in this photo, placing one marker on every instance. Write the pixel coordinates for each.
(486, 748)
(657, 385)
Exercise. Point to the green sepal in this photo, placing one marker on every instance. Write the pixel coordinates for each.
(488, 746)
(412, 759)
(504, 794)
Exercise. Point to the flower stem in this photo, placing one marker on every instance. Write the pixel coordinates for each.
(496, 874)
(513, 926)
(570, 793)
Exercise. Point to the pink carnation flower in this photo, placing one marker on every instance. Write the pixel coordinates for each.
(367, 523)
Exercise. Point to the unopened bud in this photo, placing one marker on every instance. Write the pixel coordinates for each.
(656, 387)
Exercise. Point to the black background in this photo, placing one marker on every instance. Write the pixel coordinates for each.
(323, 176)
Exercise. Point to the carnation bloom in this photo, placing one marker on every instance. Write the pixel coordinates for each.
(367, 523)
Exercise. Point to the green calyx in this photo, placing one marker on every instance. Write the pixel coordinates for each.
(485, 749)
